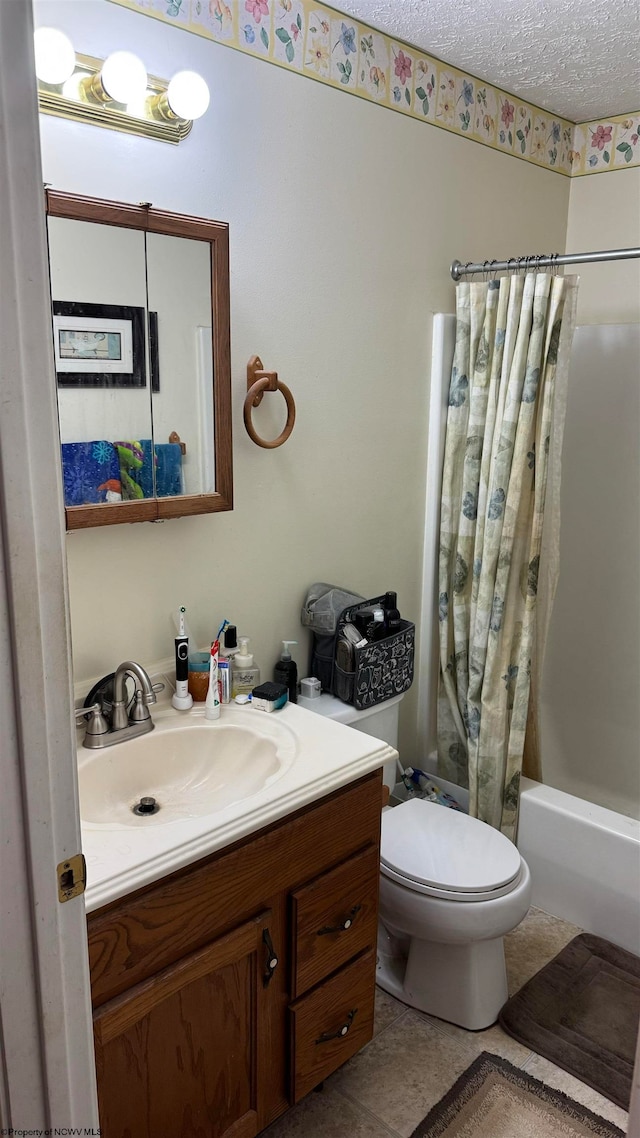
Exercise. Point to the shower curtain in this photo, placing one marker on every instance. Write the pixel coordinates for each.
(504, 430)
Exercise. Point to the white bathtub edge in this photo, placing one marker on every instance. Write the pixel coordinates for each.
(589, 812)
(584, 861)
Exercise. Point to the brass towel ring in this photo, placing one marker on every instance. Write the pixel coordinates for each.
(259, 381)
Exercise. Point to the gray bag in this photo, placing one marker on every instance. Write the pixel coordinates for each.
(320, 612)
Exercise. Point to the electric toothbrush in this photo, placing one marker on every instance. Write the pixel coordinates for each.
(182, 698)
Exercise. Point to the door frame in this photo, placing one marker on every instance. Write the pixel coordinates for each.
(47, 1073)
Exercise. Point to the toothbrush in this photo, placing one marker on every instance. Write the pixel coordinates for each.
(182, 698)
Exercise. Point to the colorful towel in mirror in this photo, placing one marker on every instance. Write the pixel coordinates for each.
(90, 473)
(130, 457)
(168, 470)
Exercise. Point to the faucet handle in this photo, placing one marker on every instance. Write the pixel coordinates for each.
(147, 698)
(97, 724)
(80, 712)
(139, 711)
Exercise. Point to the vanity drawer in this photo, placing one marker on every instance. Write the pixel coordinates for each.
(335, 917)
(331, 1023)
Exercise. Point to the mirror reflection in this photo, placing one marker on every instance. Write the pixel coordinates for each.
(132, 321)
(179, 302)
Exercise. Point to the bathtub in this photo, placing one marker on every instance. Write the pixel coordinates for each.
(584, 859)
(584, 862)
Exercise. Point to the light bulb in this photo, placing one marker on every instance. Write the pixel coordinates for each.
(55, 57)
(124, 77)
(188, 95)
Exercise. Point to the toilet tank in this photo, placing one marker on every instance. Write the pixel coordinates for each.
(380, 721)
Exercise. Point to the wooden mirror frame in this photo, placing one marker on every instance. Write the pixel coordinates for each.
(216, 233)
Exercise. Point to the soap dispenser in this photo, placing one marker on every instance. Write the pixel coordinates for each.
(245, 675)
(286, 671)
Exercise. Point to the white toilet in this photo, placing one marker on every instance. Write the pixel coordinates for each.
(451, 887)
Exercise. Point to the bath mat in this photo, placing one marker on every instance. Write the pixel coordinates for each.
(493, 1099)
(582, 1011)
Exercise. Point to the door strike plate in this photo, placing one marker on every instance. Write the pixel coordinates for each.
(72, 877)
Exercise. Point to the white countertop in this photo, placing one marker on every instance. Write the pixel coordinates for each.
(323, 756)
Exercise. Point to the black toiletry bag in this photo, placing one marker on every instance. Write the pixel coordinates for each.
(378, 671)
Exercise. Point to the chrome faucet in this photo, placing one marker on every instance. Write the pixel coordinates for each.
(99, 731)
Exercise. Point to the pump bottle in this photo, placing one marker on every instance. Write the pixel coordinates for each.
(286, 671)
(245, 675)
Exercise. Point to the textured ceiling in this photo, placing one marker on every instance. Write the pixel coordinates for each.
(578, 58)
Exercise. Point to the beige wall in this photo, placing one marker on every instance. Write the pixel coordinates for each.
(604, 213)
(344, 220)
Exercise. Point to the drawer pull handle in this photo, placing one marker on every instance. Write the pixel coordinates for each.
(272, 958)
(341, 1032)
(346, 924)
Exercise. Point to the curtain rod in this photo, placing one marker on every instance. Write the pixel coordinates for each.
(542, 261)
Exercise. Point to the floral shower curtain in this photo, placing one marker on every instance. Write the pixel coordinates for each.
(510, 336)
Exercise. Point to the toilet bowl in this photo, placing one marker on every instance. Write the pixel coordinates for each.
(451, 887)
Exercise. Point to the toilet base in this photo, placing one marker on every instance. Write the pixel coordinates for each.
(465, 984)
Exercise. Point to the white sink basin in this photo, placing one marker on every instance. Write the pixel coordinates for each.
(191, 770)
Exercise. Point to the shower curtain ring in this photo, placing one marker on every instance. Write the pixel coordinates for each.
(512, 268)
(492, 270)
(485, 271)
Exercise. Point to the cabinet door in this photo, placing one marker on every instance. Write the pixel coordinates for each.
(180, 1053)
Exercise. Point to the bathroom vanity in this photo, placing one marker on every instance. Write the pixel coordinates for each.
(225, 991)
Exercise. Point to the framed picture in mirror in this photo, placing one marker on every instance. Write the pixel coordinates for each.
(104, 345)
(99, 345)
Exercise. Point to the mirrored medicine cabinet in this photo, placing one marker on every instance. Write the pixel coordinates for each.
(140, 301)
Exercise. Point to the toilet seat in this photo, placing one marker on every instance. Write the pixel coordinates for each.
(440, 852)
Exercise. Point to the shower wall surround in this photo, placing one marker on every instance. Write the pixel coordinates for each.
(323, 44)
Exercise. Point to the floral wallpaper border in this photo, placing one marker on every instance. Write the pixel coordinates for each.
(606, 144)
(320, 42)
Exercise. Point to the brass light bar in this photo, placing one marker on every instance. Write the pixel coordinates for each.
(83, 99)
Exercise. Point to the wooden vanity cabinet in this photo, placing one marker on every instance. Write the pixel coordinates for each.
(224, 993)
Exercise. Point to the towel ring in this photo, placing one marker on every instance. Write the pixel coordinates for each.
(259, 381)
(174, 437)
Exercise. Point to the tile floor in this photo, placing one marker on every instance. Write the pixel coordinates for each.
(413, 1059)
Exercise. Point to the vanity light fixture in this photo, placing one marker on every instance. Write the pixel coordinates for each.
(116, 93)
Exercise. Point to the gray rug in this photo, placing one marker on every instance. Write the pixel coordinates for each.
(582, 1012)
(493, 1099)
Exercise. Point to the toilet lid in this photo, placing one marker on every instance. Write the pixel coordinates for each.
(433, 845)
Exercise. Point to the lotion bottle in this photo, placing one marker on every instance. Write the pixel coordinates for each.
(245, 675)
